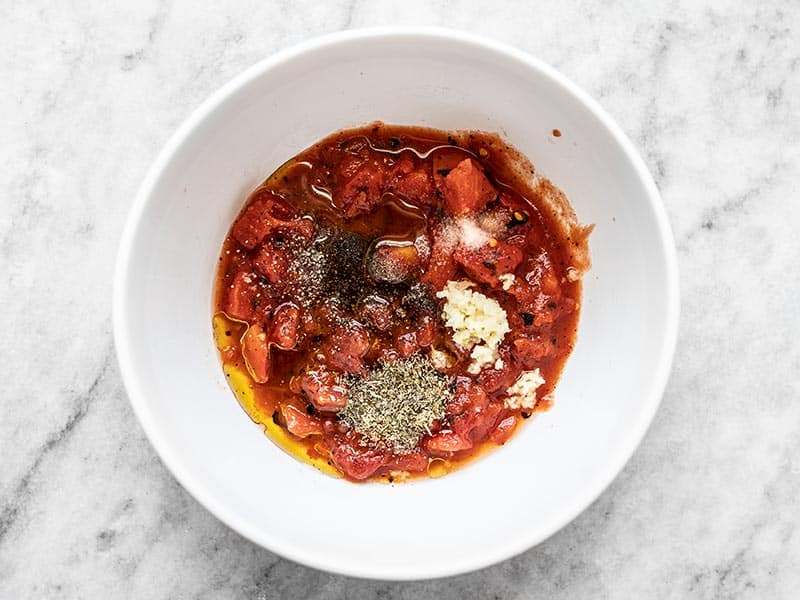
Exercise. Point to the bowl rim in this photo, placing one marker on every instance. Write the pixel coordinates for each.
(612, 467)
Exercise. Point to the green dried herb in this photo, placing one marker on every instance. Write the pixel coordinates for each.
(396, 402)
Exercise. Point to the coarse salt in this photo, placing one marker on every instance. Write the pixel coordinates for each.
(473, 232)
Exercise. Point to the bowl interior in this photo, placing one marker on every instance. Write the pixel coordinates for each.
(516, 495)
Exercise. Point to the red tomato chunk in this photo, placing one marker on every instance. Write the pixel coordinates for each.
(466, 188)
(255, 349)
(324, 389)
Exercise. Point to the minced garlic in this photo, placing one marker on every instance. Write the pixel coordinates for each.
(507, 279)
(441, 359)
(522, 394)
(477, 321)
(573, 274)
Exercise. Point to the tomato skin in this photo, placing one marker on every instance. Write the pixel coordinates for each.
(503, 430)
(255, 350)
(445, 443)
(299, 423)
(413, 462)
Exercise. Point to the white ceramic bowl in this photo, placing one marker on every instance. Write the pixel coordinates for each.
(517, 495)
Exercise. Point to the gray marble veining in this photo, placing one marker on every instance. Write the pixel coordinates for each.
(708, 507)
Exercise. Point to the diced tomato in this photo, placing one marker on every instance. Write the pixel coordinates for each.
(285, 325)
(413, 462)
(376, 312)
(471, 413)
(389, 354)
(426, 333)
(272, 263)
(258, 220)
(492, 379)
(255, 350)
(241, 296)
(362, 190)
(403, 164)
(477, 424)
(445, 443)
(300, 423)
(416, 187)
(406, 344)
(422, 336)
(303, 227)
(355, 461)
(468, 396)
(525, 294)
(352, 163)
(333, 426)
(311, 325)
(539, 309)
(441, 266)
(347, 347)
(324, 389)
(321, 319)
(529, 350)
(503, 430)
(487, 262)
(254, 224)
(466, 189)
(444, 161)
(542, 274)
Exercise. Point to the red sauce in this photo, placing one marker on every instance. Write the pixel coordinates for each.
(334, 263)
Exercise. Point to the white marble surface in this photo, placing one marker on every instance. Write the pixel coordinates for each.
(709, 506)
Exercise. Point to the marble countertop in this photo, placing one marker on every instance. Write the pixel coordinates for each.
(709, 506)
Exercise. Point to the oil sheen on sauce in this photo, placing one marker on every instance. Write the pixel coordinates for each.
(395, 222)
